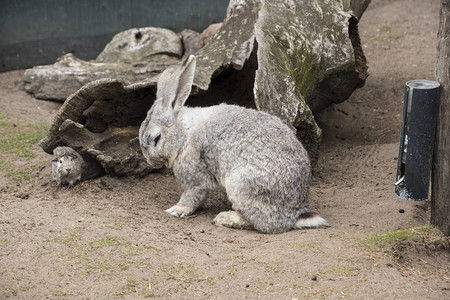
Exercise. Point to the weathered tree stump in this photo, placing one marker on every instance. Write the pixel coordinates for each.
(290, 58)
(440, 204)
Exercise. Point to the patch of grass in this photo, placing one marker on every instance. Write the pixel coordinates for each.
(305, 245)
(27, 288)
(112, 241)
(381, 240)
(392, 239)
(147, 247)
(385, 36)
(345, 269)
(311, 245)
(70, 239)
(79, 248)
(185, 272)
(133, 250)
(232, 270)
(10, 293)
(17, 137)
(132, 285)
(4, 119)
(149, 295)
(61, 293)
(16, 140)
(135, 286)
(105, 256)
(125, 264)
(18, 274)
(116, 225)
(321, 294)
(231, 250)
(428, 229)
(99, 266)
(273, 267)
(19, 175)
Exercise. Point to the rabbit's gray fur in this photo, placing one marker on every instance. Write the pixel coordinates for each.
(256, 157)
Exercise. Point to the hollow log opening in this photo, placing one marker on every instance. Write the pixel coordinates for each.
(230, 86)
(117, 113)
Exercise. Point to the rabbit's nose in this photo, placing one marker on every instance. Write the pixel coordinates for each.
(68, 169)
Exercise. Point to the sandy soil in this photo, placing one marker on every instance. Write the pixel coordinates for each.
(110, 237)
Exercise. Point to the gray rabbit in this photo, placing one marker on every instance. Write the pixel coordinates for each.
(69, 167)
(253, 155)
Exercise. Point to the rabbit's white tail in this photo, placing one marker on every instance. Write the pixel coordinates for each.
(310, 220)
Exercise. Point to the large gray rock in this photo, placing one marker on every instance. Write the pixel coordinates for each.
(191, 42)
(301, 56)
(148, 44)
(69, 74)
(132, 56)
(290, 58)
(306, 60)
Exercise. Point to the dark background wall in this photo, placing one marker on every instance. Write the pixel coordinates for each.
(36, 32)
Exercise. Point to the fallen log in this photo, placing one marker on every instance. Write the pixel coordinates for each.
(289, 58)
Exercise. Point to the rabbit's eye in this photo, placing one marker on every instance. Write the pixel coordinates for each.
(60, 161)
(157, 138)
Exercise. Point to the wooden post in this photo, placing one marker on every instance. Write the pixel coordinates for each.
(440, 197)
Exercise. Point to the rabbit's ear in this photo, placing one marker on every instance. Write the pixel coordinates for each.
(174, 86)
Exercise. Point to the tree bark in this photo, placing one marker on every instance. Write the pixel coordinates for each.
(440, 198)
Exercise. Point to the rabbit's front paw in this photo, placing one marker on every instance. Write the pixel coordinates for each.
(180, 210)
(232, 219)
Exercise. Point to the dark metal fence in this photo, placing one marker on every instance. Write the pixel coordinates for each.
(34, 32)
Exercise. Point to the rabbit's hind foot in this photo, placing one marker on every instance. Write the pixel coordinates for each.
(232, 219)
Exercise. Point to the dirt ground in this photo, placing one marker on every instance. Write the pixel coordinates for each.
(110, 237)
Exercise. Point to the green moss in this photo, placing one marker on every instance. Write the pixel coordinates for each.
(297, 63)
(300, 67)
